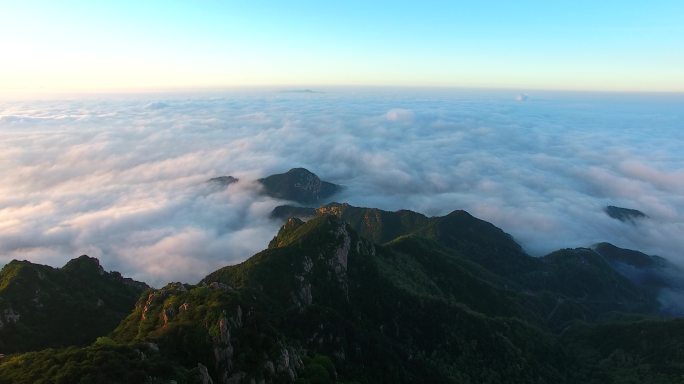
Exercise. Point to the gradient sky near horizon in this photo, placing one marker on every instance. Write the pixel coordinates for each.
(77, 46)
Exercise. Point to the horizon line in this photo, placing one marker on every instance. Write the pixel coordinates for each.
(312, 88)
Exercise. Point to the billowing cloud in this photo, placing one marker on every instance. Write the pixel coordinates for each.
(399, 114)
(124, 179)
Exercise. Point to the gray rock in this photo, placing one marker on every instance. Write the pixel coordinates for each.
(204, 374)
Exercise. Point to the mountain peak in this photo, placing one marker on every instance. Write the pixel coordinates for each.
(297, 184)
(300, 185)
(624, 214)
(84, 263)
(323, 299)
(311, 232)
(300, 171)
(460, 213)
(285, 230)
(42, 306)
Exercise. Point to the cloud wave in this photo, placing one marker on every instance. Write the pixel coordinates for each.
(124, 179)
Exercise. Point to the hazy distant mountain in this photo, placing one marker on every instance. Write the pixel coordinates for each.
(41, 306)
(624, 214)
(300, 91)
(223, 180)
(300, 185)
(650, 273)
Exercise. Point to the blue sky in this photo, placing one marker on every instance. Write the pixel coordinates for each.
(133, 45)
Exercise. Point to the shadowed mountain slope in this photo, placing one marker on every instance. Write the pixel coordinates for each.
(624, 214)
(322, 290)
(41, 306)
(364, 295)
(300, 185)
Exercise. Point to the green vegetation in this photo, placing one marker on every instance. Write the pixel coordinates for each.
(300, 185)
(95, 364)
(44, 307)
(449, 299)
(649, 351)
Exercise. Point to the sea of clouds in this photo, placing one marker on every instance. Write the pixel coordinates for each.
(124, 178)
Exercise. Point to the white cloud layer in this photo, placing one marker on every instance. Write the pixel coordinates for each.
(399, 114)
(123, 179)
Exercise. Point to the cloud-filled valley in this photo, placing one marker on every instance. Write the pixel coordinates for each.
(124, 179)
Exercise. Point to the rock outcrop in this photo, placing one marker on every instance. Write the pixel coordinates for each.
(445, 299)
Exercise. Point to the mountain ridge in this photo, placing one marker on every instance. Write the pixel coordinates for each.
(364, 295)
(297, 184)
(42, 306)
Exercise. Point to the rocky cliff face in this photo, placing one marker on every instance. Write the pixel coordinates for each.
(319, 293)
(230, 320)
(215, 327)
(446, 299)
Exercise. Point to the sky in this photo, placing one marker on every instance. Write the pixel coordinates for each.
(96, 46)
(418, 105)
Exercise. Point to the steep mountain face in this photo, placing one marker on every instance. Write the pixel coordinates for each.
(564, 286)
(322, 292)
(478, 239)
(300, 185)
(364, 295)
(41, 306)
